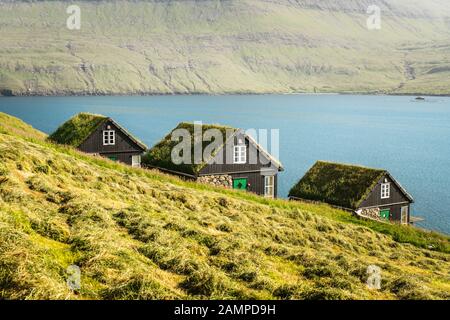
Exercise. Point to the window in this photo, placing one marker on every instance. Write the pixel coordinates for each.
(269, 182)
(404, 215)
(240, 154)
(109, 137)
(385, 190)
(136, 161)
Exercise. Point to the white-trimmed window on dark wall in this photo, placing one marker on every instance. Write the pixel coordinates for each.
(240, 154)
(385, 190)
(136, 161)
(269, 186)
(109, 137)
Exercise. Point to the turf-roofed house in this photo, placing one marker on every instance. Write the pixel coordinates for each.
(370, 193)
(100, 135)
(236, 161)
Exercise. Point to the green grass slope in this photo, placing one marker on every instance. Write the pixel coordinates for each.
(139, 234)
(235, 46)
(12, 125)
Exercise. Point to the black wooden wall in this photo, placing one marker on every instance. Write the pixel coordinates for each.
(123, 149)
(374, 199)
(394, 202)
(251, 171)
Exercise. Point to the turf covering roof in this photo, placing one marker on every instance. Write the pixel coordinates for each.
(337, 184)
(77, 129)
(161, 154)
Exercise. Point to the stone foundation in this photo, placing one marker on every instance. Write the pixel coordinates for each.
(372, 213)
(225, 181)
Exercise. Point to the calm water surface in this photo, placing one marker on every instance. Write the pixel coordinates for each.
(409, 138)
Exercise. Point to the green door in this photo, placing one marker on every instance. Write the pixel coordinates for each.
(384, 214)
(240, 184)
(113, 158)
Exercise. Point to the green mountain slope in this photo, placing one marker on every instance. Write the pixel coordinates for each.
(233, 46)
(139, 234)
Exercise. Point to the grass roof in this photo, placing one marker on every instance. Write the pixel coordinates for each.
(75, 130)
(337, 184)
(160, 154)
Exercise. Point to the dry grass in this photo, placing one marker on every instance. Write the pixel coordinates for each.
(138, 234)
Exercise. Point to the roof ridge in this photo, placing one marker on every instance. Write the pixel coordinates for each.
(351, 165)
(90, 114)
(218, 125)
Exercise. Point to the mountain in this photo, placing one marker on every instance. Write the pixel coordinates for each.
(140, 234)
(225, 46)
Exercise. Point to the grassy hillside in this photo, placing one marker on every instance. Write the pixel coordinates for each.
(234, 46)
(138, 234)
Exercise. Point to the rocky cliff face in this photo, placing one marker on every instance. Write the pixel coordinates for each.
(212, 46)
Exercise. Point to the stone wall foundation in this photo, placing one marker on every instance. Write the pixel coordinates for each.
(225, 180)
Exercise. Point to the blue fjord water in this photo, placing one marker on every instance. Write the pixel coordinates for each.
(409, 138)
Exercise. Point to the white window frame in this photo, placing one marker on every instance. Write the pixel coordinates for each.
(240, 154)
(109, 137)
(404, 212)
(138, 163)
(269, 186)
(385, 190)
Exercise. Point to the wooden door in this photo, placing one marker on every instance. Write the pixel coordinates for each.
(384, 214)
(240, 183)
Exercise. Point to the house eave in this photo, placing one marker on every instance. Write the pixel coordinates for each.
(403, 190)
(272, 159)
(129, 135)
